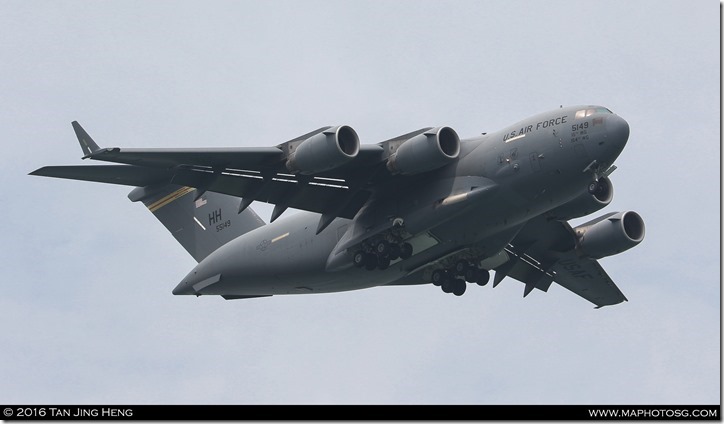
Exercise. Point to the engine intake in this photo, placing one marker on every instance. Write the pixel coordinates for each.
(321, 152)
(610, 234)
(425, 152)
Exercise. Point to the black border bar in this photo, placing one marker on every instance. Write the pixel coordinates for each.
(361, 412)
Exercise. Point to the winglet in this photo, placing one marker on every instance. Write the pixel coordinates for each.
(86, 142)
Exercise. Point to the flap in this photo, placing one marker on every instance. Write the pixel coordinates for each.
(548, 248)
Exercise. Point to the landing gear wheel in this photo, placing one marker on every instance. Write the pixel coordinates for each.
(483, 277)
(383, 262)
(458, 287)
(382, 248)
(438, 276)
(359, 259)
(593, 187)
(405, 250)
(370, 261)
(471, 274)
(394, 252)
(461, 266)
(447, 286)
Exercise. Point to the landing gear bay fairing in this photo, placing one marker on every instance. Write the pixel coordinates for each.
(422, 208)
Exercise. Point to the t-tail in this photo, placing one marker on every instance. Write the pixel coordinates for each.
(201, 221)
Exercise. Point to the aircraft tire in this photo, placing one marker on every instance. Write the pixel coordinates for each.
(359, 259)
(447, 286)
(593, 187)
(461, 266)
(471, 274)
(383, 262)
(483, 277)
(394, 252)
(405, 250)
(437, 277)
(458, 287)
(382, 247)
(370, 261)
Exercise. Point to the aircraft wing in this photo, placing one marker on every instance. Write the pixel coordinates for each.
(111, 174)
(544, 252)
(315, 197)
(263, 160)
(318, 195)
(253, 174)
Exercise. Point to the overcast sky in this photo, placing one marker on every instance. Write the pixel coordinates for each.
(87, 310)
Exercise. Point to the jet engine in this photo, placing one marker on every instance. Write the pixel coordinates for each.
(610, 234)
(425, 152)
(321, 152)
(586, 203)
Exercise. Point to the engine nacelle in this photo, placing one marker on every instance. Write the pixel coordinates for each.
(425, 152)
(321, 152)
(610, 234)
(586, 203)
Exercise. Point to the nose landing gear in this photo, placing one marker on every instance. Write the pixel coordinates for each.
(601, 185)
(594, 187)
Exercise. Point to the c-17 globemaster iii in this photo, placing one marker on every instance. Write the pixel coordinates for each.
(424, 207)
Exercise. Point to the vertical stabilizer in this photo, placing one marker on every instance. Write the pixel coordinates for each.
(202, 225)
(86, 142)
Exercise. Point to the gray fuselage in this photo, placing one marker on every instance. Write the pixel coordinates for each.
(528, 168)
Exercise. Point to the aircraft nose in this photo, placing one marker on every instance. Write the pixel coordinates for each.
(618, 130)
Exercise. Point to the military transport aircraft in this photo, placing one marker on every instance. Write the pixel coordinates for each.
(421, 208)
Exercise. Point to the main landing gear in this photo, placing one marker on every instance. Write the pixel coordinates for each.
(380, 254)
(452, 280)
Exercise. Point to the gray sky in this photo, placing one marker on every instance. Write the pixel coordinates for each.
(87, 310)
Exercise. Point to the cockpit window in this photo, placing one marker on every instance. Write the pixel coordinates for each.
(588, 112)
